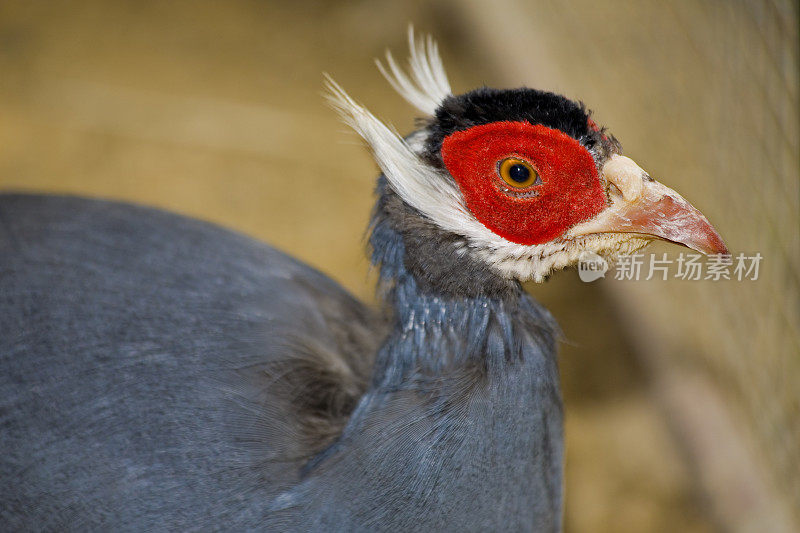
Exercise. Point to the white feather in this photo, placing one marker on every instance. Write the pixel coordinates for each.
(435, 196)
(427, 86)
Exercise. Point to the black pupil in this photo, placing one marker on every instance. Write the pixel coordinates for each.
(519, 173)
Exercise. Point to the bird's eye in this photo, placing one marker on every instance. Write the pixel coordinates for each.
(518, 173)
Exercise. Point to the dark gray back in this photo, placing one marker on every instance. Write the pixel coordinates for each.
(155, 370)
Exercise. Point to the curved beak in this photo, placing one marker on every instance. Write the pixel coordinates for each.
(646, 207)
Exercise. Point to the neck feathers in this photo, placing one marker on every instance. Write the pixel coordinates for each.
(451, 316)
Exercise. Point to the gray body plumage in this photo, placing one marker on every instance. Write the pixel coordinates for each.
(160, 373)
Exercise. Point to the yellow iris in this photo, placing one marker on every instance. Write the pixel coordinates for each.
(517, 173)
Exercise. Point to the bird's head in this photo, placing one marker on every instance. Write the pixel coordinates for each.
(517, 182)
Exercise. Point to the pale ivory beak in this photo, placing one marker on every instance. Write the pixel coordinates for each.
(649, 209)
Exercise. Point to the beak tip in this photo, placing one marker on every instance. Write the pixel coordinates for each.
(714, 244)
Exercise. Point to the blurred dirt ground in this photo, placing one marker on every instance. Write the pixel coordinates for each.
(214, 110)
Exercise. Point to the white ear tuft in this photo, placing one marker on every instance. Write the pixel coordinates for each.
(419, 185)
(427, 86)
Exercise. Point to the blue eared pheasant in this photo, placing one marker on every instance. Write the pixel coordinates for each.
(161, 373)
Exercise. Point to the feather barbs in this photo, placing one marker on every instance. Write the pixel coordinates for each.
(422, 187)
(426, 86)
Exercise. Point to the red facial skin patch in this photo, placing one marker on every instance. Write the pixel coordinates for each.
(570, 190)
